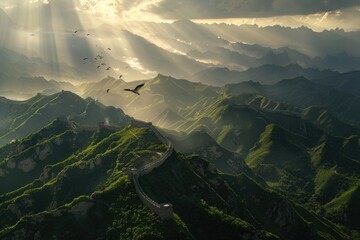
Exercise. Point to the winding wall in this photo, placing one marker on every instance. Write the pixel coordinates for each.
(163, 210)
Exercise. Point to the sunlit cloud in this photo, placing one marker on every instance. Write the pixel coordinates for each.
(346, 19)
(135, 64)
(318, 15)
(324, 17)
(104, 8)
(200, 9)
(39, 1)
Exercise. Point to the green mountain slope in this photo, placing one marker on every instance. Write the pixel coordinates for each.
(237, 200)
(20, 118)
(202, 144)
(312, 173)
(291, 158)
(302, 93)
(86, 194)
(317, 115)
(162, 93)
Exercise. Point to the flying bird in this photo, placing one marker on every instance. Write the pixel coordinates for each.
(136, 89)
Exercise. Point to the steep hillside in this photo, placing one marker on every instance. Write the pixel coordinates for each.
(317, 115)
(316, 174)
(238, 201)
(85, 192)
(73, 184)
(202, 144)
(159, 94)
(303, 93)
(291, 158)
(20, 118)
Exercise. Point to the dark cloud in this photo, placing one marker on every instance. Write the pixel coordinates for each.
(179, 9)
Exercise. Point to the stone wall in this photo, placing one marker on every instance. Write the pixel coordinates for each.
(163, 210)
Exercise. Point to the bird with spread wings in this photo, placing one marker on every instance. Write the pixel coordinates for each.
(136, 89)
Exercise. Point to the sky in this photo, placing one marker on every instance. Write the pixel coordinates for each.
(315, 14)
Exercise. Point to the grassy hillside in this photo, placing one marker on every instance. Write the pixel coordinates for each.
(237, 201)
(87, 194)
(299, 158)
(316, 174)
(202, 144)
(84, 193)
(20, 118)
(162, 93)
(282, 144)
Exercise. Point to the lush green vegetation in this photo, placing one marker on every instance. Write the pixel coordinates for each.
(81, 192)
(267, 166)
(19, 119)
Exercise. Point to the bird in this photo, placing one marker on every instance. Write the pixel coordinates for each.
(107, 91)
(120, 76)
(98, 66)
(95, 59)
(108, 68)
(76, 31)
(88, 34)
(104, 64)
(136, 89)
(109, 49)
(85, 59)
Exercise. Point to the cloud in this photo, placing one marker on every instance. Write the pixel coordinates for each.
(115, 8)
(198, 9)
(324, 16)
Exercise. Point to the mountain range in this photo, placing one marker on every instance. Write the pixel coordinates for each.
(243, 132)
(265, 74)
(253, 128)
(75, 175)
